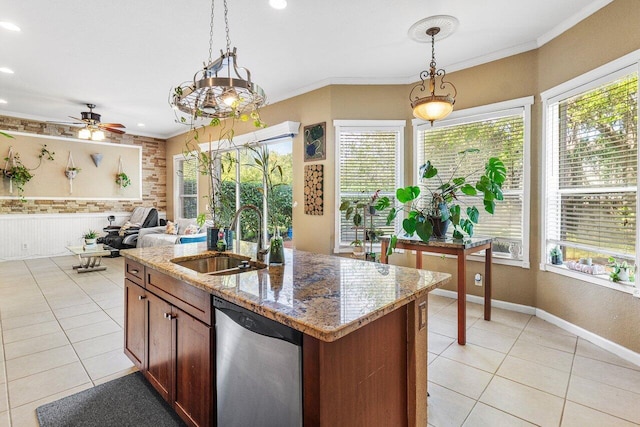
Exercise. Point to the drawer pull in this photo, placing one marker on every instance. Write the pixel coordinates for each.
(134, 271)
(141, 297)
(168, 316)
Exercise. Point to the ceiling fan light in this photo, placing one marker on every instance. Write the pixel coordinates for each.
(278, 4)
(97, 135)
(84, 133)
(433, 108)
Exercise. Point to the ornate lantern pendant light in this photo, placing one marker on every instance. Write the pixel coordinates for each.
(425, 103)
(221, 89)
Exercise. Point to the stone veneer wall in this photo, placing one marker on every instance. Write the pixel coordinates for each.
(154, 166)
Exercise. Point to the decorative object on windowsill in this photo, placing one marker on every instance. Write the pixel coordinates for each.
(97, 158)
(315, 142)
(314, 189)
(556, 256)
(19, 174)
(515, 250)
(272, 178)
(431, 215)
(121, 177)
(594, 269)
(425, 103)
(90, 238)
(71, 171)
(218, 91)
(621, 271)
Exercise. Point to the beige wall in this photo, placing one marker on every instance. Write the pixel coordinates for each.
(153, 172)
(607, 35)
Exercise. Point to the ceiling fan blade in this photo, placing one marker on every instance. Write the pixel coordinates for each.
(66, 123)
(75, 118)
(111, 125)
(118, 131)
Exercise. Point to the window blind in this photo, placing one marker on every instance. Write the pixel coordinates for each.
(368, 161)
(188, 188)
(592, 169)
(498, 136)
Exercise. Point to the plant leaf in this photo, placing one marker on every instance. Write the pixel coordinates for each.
(428, 170)
(469, 190)
(473, 214)
(392, 244)
(489, 206)
(496, 170)
(407, 194)
(409, 225)
(455, 214)
(392, 215)
(424, 230)
(344, 205)
(357, 219)
(459, 181)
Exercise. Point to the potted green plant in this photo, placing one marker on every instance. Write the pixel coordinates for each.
(431, 214)
(272, 176)
(620, 271)
(123, 180)
(71, 172)
(17, 173)
(556, 256)
(90, 237)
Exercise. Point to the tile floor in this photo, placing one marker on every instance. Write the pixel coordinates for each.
(62, 333)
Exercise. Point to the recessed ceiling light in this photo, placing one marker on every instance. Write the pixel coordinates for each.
(141, 125)
(6, 70)
(2, 101)
(9, 26)
(278, 4)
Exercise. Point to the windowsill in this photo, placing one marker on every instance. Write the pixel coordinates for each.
(599, 279)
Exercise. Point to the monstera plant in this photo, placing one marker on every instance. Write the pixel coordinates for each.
(430, 214)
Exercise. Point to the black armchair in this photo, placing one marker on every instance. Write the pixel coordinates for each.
(126, 236)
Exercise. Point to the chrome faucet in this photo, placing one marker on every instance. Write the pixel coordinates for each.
(260, 252)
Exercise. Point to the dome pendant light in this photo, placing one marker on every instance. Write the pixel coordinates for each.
(221, 89)
(425, 103)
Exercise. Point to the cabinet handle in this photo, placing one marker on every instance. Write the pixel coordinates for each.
(141, 297)
(135, 271)
(168, 316)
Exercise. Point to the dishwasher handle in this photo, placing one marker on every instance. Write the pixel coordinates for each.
(257, 323)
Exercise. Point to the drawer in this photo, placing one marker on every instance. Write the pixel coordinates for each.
(134, 271)
(190, 299)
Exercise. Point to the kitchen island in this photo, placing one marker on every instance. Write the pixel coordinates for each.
(363, 325)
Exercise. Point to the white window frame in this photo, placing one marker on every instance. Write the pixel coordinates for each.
(397, 126)
(276, 134)
(177, 187)
(485, 112)
(602, 75)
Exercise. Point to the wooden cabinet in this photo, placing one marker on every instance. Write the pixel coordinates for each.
(135, 319)
(172, 348)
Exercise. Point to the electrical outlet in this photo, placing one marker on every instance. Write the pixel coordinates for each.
(25, 246)
(478, 279)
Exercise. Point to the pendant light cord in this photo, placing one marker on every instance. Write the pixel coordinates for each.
(211, 33)
(226, 25)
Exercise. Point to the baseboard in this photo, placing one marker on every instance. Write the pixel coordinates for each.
(494, 303)
(610, 346)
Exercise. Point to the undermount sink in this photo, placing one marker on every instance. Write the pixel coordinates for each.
(222, 263)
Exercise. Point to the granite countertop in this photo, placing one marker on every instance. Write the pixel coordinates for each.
(323, 296)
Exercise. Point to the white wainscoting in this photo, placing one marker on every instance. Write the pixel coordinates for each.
(45, 235)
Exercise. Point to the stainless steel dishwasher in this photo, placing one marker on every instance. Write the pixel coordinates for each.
(258, 369)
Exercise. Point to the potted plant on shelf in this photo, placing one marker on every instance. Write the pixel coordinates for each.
(90, 238)
(17, 173)
(71, 172)
(556, 256)
(620, 271)
(356, 208)
(431, 215)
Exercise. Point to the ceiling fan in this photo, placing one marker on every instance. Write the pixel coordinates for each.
(93, 128)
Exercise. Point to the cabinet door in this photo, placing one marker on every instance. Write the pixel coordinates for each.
(193, 396)
(135, 301)
(160, 348)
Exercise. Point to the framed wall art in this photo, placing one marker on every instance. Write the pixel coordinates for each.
(315, 147)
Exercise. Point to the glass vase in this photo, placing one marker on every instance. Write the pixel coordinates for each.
(276, 250)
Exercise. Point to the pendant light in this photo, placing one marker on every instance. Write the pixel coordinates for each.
(221, 89)
(426, 104)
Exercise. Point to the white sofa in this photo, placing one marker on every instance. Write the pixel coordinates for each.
(157, 236)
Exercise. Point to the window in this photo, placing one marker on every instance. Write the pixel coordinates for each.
(498, 130)
(186, 187)
(242, 181)
(591, 170)
(369, 157)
